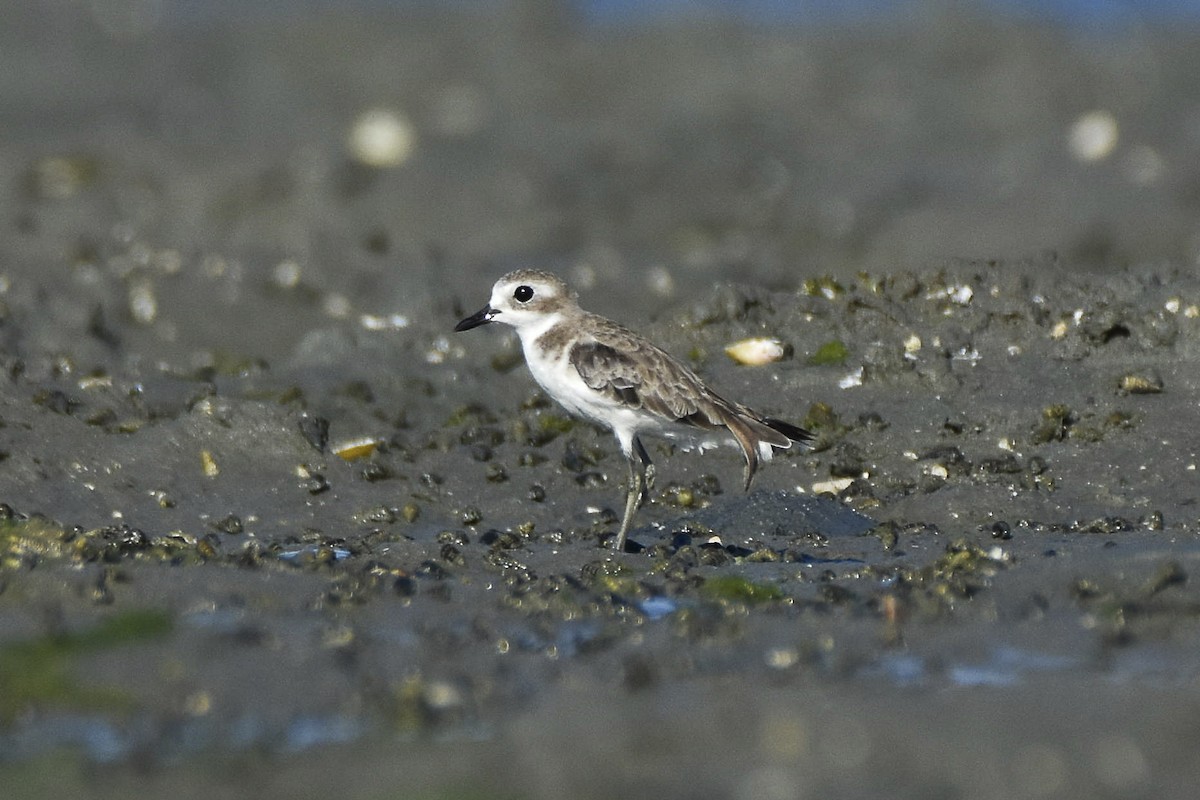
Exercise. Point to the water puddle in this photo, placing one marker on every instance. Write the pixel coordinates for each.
(314, 731)
(1005, 666)
(314, 552)
(96, 738)
(655, 608)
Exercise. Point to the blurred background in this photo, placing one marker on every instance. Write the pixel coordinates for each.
(192, 191)
(199, 163)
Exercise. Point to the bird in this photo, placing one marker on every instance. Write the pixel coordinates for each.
(603, 372)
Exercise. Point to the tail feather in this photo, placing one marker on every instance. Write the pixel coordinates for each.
(748, 440)
(758, 436)
(793, 432)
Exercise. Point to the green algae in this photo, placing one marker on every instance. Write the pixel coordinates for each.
(37, 672)
(26, 540)
(735, 588)
(833, 352)
(822, 286)
(25, 543)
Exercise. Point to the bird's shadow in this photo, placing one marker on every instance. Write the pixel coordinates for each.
(764, 514)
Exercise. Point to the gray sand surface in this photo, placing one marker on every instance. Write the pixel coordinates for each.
(976, 236)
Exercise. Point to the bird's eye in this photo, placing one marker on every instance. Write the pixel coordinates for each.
(523, 294)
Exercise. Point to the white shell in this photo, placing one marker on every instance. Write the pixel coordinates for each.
(756, 351)
(354, 449)
(831, 486)
(381, 137)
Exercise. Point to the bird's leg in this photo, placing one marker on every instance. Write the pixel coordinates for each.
(647, 471)
(637, 490)
(632, 501)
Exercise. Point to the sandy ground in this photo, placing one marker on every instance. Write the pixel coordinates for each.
(271, 529)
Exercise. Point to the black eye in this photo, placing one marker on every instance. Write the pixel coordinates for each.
(523, 294)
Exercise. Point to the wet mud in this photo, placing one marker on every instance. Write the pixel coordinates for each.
(270, 526)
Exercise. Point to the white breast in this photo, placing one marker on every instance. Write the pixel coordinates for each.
(558, 378)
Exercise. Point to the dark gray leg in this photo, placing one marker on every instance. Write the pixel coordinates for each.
(647, 471)
(638, 489)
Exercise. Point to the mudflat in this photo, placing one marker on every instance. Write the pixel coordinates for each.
(270, 527)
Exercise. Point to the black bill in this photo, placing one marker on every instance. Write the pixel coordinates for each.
(481, 317)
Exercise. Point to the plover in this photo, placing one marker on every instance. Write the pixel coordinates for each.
(606, 373)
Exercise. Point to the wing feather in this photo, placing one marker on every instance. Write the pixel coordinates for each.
(620, 376)
(633, 372)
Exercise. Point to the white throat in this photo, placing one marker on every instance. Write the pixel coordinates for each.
(530, 330)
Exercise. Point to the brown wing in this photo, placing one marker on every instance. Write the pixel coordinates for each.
(648, 379)
(626, 368)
